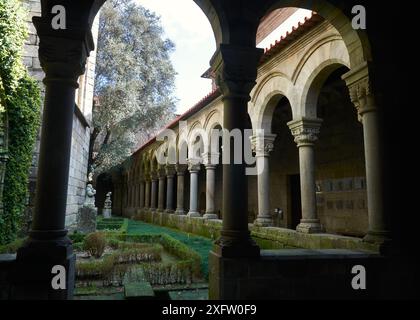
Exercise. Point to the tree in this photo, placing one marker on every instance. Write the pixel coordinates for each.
(134, 82)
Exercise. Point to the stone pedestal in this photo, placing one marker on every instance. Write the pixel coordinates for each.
(86, 219)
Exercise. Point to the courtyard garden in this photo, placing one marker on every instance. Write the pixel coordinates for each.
(128, 259)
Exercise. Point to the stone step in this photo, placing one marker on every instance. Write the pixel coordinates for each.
(139, 291)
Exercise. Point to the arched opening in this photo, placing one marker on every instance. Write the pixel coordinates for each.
(103, 186)
(340, 161)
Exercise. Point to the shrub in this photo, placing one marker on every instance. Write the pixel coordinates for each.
(94, 244)
(77, 237)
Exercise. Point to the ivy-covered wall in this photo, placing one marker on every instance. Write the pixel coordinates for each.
(20, 105)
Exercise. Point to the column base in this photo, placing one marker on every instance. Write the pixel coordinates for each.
(33, 273)
(193, 214)
(264, 222)
(210, 216)
(180, 212)
(310, 226)
(169, 211)
(236, 244)
(377, 237)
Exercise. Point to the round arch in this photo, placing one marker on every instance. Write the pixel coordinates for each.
(270, 91)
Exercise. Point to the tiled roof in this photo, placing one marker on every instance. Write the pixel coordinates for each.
(274, 49)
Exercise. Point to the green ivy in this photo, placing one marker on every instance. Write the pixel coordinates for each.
(22, 103)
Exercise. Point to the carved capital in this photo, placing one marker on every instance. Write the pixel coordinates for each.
(181, 169)
(63, 53)
(170, 170)
(211, 159)
(194, 165)
(235, 68)
(305, 131)
(360, 89)
(263, 145)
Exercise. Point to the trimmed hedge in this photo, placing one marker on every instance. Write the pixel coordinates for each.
(22, 103)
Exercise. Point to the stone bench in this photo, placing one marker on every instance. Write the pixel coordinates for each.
(139, 291)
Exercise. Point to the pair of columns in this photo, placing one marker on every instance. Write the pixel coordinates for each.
(306, 133)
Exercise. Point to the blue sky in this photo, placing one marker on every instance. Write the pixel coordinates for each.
(187, 26)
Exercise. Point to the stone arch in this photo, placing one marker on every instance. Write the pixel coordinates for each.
(356, 41)
(330, 52)
(270, 91)
(313, 85)
(182, 149)
(213, 120)
(197, 141)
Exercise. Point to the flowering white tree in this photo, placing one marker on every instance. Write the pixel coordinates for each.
(134, 82)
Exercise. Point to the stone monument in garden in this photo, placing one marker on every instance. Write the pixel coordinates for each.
(86, 218)
(107, 213)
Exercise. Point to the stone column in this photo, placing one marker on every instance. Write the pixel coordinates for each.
(170, 174)
(235, 67)
(141, 196)
(63, 55)
(210, 163)
(194, 169)
(364, 100)
(154, 191)
(147, 194)
(180, 171)
(263, 145)
(161, 195)
(306, 133)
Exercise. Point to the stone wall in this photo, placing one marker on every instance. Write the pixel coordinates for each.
(267, 238)
(81, 119)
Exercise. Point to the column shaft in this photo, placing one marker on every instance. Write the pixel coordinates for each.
(210, 190)
(170, 194)
(161, 204)
(154, 191)
(193, 194)
(180, 190)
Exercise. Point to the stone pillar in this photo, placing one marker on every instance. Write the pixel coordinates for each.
(210, 163)
(235, 67)
(141, 196)
(161, 195)
(364, 100)
(170, 174)
(154, 191)
(147, 194)
(194, 169)
(306, 133)
(263, 145)
(63, 55)
(180, 171)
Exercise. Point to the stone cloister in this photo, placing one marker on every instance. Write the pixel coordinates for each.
(290, 78)
(286, 91)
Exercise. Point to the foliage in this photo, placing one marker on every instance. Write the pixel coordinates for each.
(21, 101)
(113, 224)
(198, 244)
(94, 244)
(77, 237)
(134, 82)
(12, 247)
